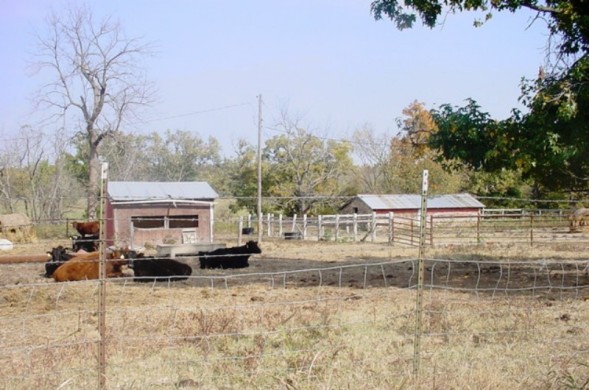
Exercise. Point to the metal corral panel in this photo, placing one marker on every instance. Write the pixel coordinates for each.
(407, 201)
(120, 191)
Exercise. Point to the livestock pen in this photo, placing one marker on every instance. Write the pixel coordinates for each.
(533, 227)
(309, 314)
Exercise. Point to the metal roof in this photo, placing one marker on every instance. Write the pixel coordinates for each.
(120, 191)
(409, 201)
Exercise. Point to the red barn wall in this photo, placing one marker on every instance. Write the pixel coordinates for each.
(125, 233)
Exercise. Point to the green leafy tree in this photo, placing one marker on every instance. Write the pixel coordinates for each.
(467, 135)
(547, 144)
(241, 172)
(556, 130)
(566, 19)
(500, 189)
(181, 156)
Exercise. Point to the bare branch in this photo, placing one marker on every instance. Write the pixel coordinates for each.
(97, 78)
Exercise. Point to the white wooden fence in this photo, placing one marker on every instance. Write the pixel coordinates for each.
(341, 227)
(498, 226)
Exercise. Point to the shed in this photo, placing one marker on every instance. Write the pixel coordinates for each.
(409, 204)
(153, 213)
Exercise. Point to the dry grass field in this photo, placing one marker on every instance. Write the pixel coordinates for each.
(310, 315)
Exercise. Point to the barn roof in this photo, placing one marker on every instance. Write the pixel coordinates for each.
(410, 201)
(121, 191)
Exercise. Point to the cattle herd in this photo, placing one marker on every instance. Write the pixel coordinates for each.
(82, 261)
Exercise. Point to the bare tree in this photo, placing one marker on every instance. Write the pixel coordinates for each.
(32, 176)
(372, 151)
(96, 82)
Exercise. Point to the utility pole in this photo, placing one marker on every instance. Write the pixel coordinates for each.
(260, 168)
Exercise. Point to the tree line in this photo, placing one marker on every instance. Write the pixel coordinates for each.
(302, 172)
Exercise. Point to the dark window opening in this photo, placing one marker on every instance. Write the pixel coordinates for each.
(183, 221)
(148, 222)
(355, 209)
(160, 222)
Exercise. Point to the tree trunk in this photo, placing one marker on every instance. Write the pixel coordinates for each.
(93, 178)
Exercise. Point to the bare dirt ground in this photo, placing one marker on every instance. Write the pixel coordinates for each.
(363, 264)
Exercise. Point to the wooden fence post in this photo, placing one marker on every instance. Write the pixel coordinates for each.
(373, 233)
(279, 225)
(239, 231)
(411, 230)
(319, 228)
(478, 229)
(269, 228)
(304, 226)
(531, 229)
(355, 227)
(391, 227)
(336, 237)
(431, 230)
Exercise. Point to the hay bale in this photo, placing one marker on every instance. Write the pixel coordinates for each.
(17, 228)
(15, 220)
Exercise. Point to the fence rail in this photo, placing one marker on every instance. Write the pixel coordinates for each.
(498, 226)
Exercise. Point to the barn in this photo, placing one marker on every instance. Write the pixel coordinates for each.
(153, 213)
(409, 205)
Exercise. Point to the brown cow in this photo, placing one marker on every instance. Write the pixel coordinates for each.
(90, 228)
(86, 266)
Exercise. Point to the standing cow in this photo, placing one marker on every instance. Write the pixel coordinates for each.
(88, 236)
(90, 228)
(236, 257)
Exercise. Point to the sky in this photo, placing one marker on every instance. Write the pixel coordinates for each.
(327, 63)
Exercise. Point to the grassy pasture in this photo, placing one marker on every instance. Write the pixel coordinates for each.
(310, 315)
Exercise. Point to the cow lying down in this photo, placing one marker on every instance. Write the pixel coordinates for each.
(158, 269)
(57, 256)
(86, 266)
(236, 257)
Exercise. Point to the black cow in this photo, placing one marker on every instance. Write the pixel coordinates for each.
(57, 256)
(150, 269)
(87, 243)
(236, 257)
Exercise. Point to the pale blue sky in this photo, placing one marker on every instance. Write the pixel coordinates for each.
(325, 61)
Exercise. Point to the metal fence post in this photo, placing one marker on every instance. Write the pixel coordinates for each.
(420, 279)
(531, 229)
(102, 282)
